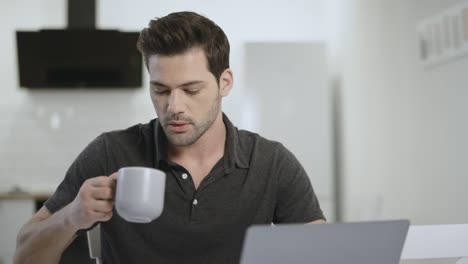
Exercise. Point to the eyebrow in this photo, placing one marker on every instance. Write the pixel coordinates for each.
(182, 85)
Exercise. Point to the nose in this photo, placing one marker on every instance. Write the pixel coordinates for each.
(176, 102)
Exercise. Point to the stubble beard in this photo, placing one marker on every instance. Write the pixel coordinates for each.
(198, 130)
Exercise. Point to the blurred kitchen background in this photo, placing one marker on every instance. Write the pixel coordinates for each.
(371, 95)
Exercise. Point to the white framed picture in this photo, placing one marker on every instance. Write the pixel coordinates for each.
(444, 36)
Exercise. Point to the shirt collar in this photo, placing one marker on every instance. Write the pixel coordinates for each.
(233, 152)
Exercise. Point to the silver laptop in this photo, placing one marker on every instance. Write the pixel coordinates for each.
(351, 243)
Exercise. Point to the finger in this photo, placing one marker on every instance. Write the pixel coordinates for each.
(114, 176)
(101, 181)
(102, 217)
(102, 206)
(113, 179)
(103, 193)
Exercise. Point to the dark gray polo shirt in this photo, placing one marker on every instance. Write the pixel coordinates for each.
(258, 181)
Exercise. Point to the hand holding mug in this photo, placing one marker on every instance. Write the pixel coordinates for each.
(94, 202)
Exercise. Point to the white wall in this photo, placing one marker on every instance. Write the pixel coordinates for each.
(405, 127)
(41, 132)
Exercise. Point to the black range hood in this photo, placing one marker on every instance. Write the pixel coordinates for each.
(79, 56)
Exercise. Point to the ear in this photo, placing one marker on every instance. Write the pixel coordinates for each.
(226, 80)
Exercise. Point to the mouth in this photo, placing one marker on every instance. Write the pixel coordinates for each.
(178, 126)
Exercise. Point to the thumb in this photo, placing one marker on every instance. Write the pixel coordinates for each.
(114, 176)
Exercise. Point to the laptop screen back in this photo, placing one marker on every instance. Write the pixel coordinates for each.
(360, 243)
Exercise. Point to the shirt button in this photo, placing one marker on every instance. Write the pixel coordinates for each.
(195, 202)
(184, 176)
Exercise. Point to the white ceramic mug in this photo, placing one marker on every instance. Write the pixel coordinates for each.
(139, 195)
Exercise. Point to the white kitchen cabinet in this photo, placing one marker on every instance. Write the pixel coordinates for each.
(15, 210)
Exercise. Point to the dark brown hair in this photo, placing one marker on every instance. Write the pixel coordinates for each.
(178, 32)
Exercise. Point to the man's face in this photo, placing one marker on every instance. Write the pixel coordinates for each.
(185, 95)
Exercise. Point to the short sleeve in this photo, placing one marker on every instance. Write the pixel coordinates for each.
(296, 200)
(91, 162)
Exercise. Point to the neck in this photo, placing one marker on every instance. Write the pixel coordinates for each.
(210, 145)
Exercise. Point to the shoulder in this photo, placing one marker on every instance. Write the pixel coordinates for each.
(133, 146)
(117, 142)
(258, 147)
(134, 134)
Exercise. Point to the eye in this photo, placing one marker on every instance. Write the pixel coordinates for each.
(192, 91)
(161, 91)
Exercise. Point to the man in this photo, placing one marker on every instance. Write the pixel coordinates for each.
(220, 180)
